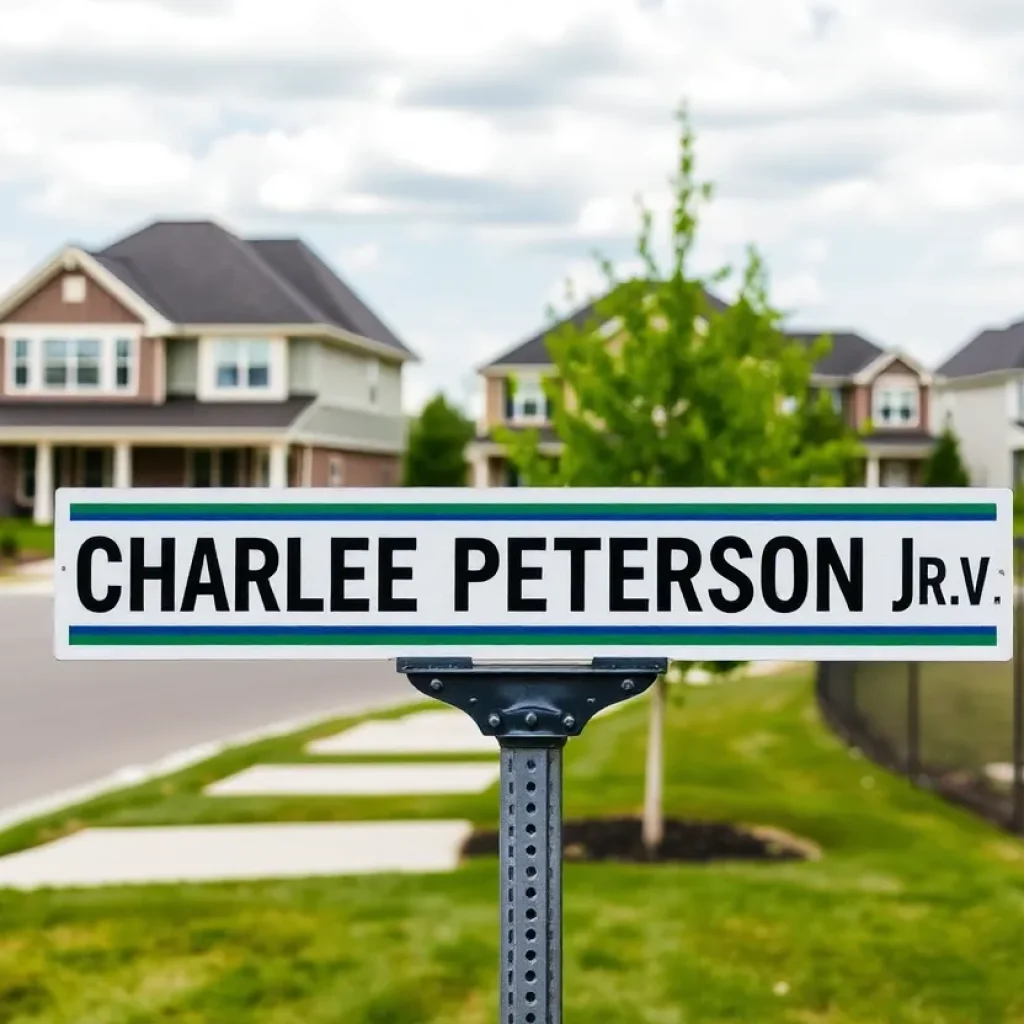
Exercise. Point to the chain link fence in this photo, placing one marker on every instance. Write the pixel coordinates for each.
(954, 727)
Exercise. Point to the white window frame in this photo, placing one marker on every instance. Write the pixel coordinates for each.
(108, 336)
(277, 385)
(535, 387)
(16, 363)
(895, 386)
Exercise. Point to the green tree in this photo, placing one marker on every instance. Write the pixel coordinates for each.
(685, 397)
(944, 467)
(436, 451)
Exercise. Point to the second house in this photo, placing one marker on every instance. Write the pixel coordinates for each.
(883, 394)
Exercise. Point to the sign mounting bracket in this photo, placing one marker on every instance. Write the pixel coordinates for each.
(532, 710)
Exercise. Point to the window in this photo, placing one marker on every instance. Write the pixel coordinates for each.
(122, 364)
(72, 288)
(373, 380)
(20, 370)
(26, 484)
(201, 466)
(42, 362)
(334, 471)
(896, 405)
(214, 467)
(95, 463)
(529, 403)
(71, 364)
(242, 365)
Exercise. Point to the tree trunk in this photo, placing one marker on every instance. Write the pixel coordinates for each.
(654, 813)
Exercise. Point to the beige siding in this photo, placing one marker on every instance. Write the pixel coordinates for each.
(182, 366)
(302, 365)
(981, 417)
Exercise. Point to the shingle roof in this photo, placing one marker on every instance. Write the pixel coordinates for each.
(850, 351)
(993, 349)
(175, 412)
(197, 272)
(534, 352)
(309, 274)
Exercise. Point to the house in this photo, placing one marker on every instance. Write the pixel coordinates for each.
(184, 355)
(980, 393)
(883, 394)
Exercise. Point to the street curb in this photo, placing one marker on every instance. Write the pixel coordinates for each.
(135, 775)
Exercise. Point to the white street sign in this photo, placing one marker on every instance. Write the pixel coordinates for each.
(535, 574)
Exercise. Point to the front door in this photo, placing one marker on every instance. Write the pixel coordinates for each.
(895, 473)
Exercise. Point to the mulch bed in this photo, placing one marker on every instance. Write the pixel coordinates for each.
(619, 839)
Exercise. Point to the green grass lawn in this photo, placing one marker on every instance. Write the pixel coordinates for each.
(29, 538)
(915, 914)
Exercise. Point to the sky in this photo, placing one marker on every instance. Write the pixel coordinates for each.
(457, 161)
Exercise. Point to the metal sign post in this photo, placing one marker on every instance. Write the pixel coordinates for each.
(532, 710)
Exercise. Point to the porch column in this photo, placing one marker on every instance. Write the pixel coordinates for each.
(42, 510)
(278, 470)
(122, 465)
(479, 462)
(871, 475)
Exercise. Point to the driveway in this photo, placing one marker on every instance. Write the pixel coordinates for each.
(68, 724)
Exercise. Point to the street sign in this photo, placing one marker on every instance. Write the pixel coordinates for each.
(539, 574)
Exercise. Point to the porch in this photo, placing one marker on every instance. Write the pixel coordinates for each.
(30, 474)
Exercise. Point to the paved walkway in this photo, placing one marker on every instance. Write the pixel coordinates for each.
(108, 856)
(219, 853)
(127, 856)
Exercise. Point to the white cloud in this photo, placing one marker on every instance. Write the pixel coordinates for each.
(799, 291)
(1003, 247)
(881, 138)
(360, 257)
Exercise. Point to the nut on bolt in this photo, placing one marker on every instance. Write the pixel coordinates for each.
(436, 685)
(494, 721)
(569, 721)
(530, 719)
(628, 685)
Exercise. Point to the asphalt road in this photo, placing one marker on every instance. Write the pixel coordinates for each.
(68, 724)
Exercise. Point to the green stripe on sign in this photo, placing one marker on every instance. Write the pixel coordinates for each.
(464, 508)
(355, 638)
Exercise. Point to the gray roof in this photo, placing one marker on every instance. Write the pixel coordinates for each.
(175, 412)
(534, 352)
(850, 351)
(196, 272)
(993, 349)
(901, 436)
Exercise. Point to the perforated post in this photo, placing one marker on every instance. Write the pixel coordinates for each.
(532, 710)
(531, 872)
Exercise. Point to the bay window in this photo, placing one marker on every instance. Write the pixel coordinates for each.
(43, 361)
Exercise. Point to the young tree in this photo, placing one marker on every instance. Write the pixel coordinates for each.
(436, 452)
(944, 467)
(683, 396)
